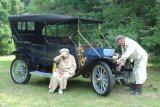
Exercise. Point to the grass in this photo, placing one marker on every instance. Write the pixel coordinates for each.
(78, 93)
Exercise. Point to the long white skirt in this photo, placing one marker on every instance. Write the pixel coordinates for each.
(59, 79)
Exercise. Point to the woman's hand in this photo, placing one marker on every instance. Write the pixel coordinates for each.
(62, 54)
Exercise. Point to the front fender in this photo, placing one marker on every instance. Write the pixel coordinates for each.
(90, 64)
(107, 60)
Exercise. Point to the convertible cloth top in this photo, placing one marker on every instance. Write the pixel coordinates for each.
(51, 18)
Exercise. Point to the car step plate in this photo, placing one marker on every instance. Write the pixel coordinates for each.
(40, 73)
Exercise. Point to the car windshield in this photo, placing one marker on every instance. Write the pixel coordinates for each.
(90, 32)
(58, 30)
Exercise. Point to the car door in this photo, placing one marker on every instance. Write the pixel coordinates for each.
(38, 53)
(51, 51)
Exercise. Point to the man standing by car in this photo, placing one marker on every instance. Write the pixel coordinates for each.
(131, 49)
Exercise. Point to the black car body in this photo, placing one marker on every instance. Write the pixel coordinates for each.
(38, 39)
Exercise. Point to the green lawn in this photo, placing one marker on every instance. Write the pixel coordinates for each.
(79, 92)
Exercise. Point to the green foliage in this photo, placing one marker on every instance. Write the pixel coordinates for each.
(137, 19)
(116, 15)
(152, 42)
(67, 7)
(153, 58)
(7, 7)
(4, 33)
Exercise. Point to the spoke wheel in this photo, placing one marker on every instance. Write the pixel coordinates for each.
(20, 71)
(126, 81)
(102, 78)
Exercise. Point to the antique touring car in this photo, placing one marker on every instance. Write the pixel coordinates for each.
(39, 37)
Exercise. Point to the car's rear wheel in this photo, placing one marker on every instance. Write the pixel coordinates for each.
(127, 73)
(125, 82)
(102, 78)
(20, 71)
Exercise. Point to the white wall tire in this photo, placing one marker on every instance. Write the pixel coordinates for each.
(20, 71)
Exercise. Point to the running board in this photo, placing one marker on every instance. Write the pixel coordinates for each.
(42, 74)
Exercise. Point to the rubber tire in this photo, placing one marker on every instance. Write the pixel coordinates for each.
(110, 78)
(28, 69)
(124, 82)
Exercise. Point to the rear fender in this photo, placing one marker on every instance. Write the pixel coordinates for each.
(24, 54)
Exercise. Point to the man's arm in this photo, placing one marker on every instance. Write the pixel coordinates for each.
(127, 53)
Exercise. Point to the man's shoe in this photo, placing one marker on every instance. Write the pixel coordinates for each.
(60, 91)
(138, 90)
(132, 87)
(50, 91)
(136, 93)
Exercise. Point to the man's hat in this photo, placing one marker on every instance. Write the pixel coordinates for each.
(119, 37)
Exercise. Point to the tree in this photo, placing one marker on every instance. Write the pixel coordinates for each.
(138, 19)
(87, 8)
(7, 7)
(4, 34)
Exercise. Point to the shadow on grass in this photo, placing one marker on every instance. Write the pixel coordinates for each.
(74, 83)
(79, 84)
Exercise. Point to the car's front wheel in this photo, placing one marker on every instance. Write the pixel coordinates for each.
(102, 78)
(20, 71)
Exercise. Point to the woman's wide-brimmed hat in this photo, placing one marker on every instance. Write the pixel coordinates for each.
(63, 50)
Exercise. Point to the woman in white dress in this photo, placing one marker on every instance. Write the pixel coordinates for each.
(65, 70)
